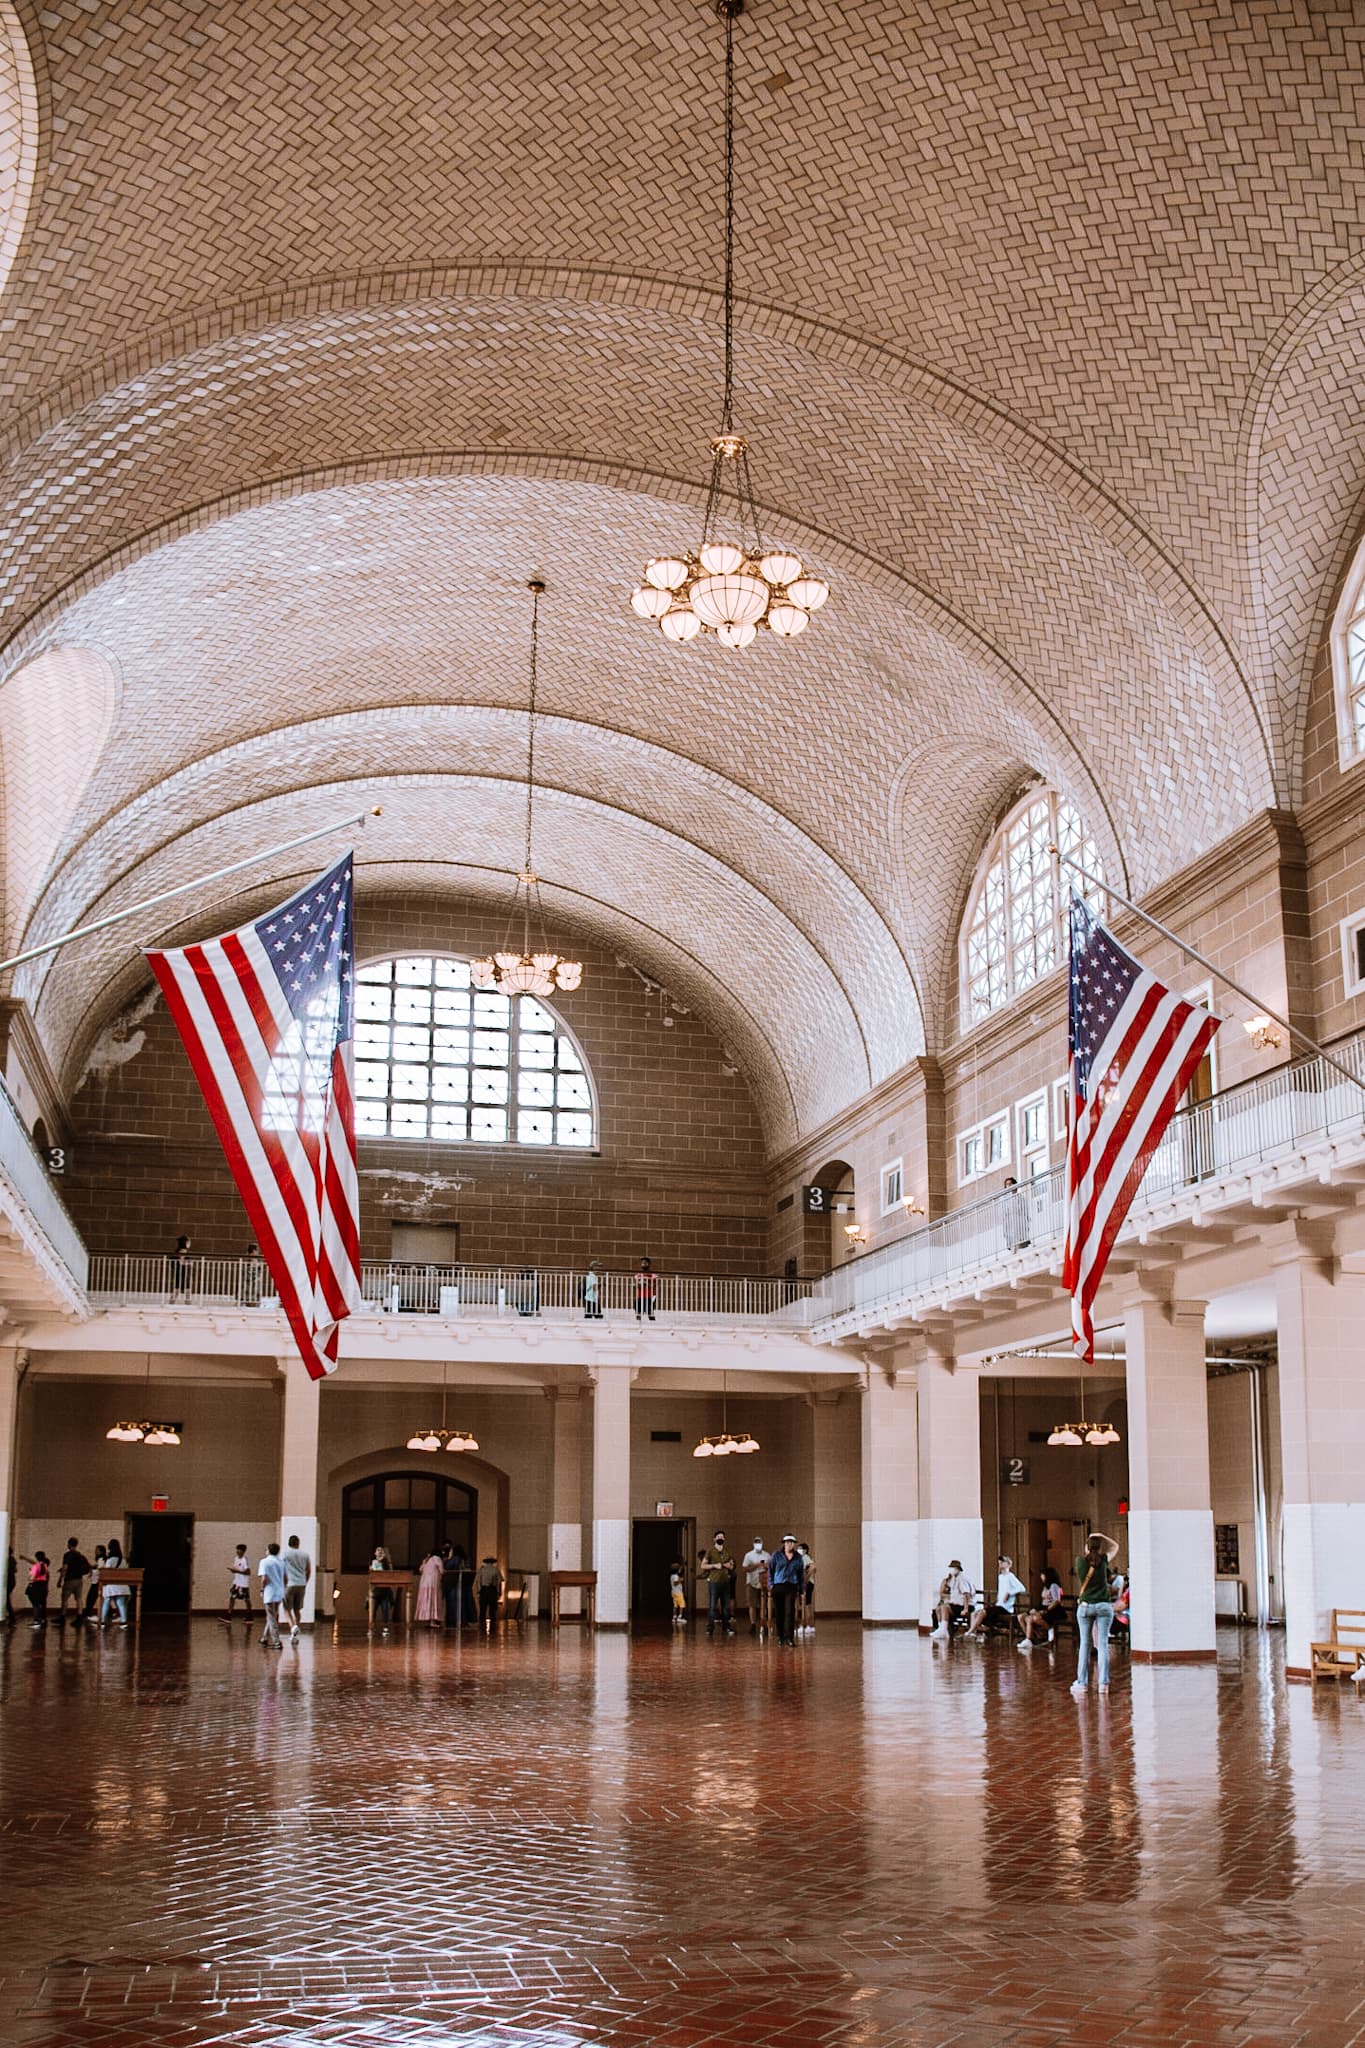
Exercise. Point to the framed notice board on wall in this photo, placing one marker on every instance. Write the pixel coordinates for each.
(1227, 1561)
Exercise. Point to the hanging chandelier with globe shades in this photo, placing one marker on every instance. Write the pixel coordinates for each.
(723, 1444)
(522, 972)
(734, 587)
(442, 1439)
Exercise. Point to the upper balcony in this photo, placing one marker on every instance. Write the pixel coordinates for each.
(1293, 1139)
(42, 1259)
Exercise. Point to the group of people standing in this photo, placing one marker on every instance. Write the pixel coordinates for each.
(80, 1586)
(780, 1584)
(451, 1592)
(1102, 1598)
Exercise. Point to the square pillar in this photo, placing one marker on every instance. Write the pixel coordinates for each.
(1320, 1304)
(299, 1468)
(611, 1492)
(564, 1546)
(1170, 1520)
(949, 1412)
(890, 1473)
(11, 1361)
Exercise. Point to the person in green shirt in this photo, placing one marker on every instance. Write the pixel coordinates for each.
(718, 1568)
(1094, 1611)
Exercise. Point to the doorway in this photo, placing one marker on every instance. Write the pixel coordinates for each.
(655, 1544)
(162, 1546)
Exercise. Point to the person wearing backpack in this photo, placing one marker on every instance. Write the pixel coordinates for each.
(1094, 1611)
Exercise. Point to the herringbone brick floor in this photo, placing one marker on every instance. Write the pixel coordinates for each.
(665, 1843)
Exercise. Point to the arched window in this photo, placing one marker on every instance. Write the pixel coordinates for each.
(1348, 663)
(1013, 934)
(410, 1513)
(438, 1059)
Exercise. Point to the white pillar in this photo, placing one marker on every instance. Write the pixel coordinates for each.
(890, 1546)
(949, 1409)
(299, 1468)
(1321, 1316)
(11, 1359)
(611, 1492)
(564, 1546)
(1170, 1520)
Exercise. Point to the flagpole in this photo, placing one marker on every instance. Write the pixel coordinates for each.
(1321, 1052)
(181, 888)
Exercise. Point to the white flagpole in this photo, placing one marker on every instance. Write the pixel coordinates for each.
(235, 867)
(1320, 1051)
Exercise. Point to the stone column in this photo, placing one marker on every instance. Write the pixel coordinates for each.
(890, 1538)
(1170, 1520)
(299, 1467)
(1320, 1303)
(11, 1361)
(949, 1409)
(564, 1546)
(611, 1492)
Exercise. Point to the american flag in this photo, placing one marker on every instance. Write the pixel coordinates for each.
(266, 1014)
(1134, 1047)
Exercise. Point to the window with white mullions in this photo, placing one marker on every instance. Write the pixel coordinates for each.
(439, 1060)
(1013, 933)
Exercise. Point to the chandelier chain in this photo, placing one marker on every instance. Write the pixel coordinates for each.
(531, 721)
(727, 408)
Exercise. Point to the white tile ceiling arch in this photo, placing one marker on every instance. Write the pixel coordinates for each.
(636, 877)
(55, 715)
(616, 771)
(1010, 564)
(19, 135)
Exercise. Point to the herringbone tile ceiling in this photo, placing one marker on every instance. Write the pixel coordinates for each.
(329, 325)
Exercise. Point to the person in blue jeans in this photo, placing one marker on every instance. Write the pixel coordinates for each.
(787, 1581)
(1094, 1611)
(718, 1568)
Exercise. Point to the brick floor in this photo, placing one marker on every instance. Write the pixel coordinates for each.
(666, 1843)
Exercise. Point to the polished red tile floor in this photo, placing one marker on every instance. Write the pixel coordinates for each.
(868, 1842)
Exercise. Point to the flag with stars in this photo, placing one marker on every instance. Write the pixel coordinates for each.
(1135, 1047)
(265, 1014)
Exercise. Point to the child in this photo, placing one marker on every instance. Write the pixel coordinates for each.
(677, 1587)
(36, 1589)
(240, 1587)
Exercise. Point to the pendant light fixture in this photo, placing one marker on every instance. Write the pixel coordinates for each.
(525, 973)
(732, 587)
(442, 1439)
(724, 1445)
(1073, 1434)
(152, 1433)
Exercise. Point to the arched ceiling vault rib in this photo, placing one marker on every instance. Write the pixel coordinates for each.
(628, 287)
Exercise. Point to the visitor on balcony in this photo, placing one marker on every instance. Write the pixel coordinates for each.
(1016, 1222)
(646, 1290)
(179, 1269)
(592, 1292)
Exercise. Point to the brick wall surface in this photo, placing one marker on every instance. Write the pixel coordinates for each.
(679, 1174)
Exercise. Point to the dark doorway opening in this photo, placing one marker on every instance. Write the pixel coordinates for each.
(162, 1546)
(655, 1544)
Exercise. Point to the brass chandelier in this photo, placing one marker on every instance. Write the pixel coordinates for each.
(732, 588)
(524, 973)
(442, 1439)
(723, 1444)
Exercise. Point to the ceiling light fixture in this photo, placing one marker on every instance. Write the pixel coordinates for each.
(526, 973)
(442, 1439)
(153, 1433)
(723, 1444)
(732, 588)
(1083, 1432)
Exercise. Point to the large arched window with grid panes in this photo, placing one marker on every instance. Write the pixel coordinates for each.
(1012, 935)
(437, 1059)
(1348, 662)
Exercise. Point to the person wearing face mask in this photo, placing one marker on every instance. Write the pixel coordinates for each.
(755, 1569)
(787, 1579)
(718, 1570)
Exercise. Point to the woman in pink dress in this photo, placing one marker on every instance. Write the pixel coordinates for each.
(429, 1591)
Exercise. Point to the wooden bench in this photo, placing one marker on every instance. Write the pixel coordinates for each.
(1343, 1656)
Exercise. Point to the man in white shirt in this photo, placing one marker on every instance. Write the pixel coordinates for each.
(956, 1596)
(754, 1566)
(270, 1572)
(298, 1570)
(1007, 1591)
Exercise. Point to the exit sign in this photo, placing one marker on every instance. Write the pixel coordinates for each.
(160, 1503)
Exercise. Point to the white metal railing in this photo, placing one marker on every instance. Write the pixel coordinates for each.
(25, 1171)
(400, 1287)
(1257, 1123)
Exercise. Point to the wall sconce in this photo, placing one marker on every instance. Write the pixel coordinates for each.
(855, 1234)
(1263, 1034)
(913, 1206)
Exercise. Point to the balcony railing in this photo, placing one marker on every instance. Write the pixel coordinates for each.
(394, 1287)
(1266, 1122)
(25, 1171)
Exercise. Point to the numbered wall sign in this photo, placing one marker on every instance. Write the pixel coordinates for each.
(55, 1159)
(815, 1201)
(1014, 1471)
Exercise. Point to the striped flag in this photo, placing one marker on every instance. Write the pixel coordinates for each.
(266, 1014)
(1134, 1050)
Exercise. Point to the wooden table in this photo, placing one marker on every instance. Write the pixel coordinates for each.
(123, 1575)
(401, 1583)
(587, 1582)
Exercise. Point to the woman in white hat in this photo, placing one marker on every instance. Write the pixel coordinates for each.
(1094, 1610)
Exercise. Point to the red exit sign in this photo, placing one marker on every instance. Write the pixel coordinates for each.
(160, 1503)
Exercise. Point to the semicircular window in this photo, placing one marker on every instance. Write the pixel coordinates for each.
(1012, 934)
(441, 1061)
